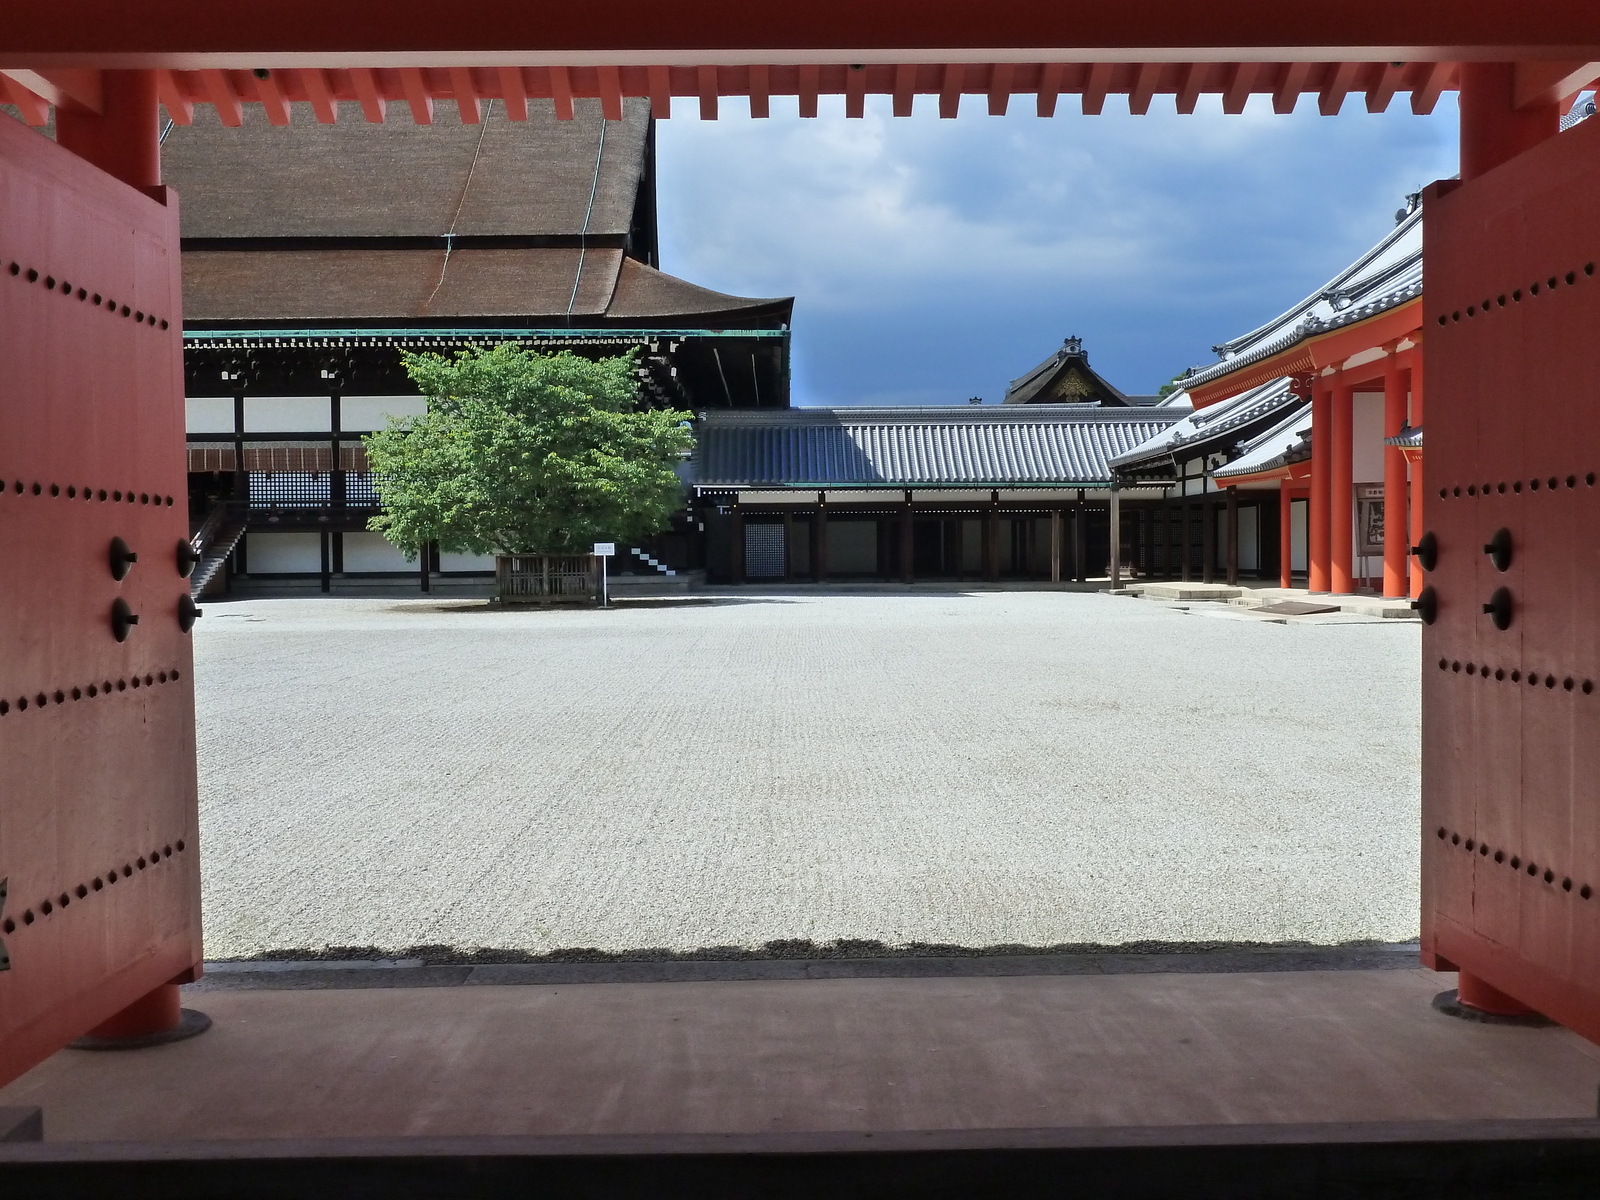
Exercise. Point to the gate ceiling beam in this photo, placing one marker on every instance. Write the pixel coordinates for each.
(251, 33)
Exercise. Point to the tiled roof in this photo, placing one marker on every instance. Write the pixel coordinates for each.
(1387, 276)
(1286, 442)
(353, 179)
(1023, 445)
(529, 284)
(1409, 438)
(1213, 429)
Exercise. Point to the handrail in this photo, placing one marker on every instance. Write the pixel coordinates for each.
(212, 524)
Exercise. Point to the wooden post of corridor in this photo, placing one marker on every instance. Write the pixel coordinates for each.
(1116, 536)
(1341, 496)
(1233, 537)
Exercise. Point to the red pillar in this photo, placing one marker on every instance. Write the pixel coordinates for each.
(124, 138)
(1475, 993)
(1417, 527)
(154, 1012)
(1394, 480)
(1341, 550)
(1317, 527)
(1493, 130)
(1285, 537)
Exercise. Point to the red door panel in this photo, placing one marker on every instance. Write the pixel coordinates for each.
(1512, 335)
(98, 839)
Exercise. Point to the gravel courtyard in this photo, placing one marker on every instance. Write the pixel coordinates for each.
(982, 768)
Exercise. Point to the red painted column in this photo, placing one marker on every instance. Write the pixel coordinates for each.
(154, 1012)
(1341, 493)
(1285, 537)
(1317, 527)
(1417, 573)
(1475, 993)
(124, 138)
(1493, 130)
(1395, 544)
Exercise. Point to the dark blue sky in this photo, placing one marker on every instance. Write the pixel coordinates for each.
(934, 260)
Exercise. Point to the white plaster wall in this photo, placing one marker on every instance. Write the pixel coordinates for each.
(283, 553)
(485, 562)
(208, 414)
(1297, 534)
(852, 547)
(365, 551)
(362, 414)
(287, 414)
(1366, 448)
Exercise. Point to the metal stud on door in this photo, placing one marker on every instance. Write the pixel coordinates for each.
(1511, 757)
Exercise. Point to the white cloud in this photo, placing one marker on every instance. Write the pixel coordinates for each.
(931, 259)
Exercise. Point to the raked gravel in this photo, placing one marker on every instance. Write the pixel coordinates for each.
(969, 768)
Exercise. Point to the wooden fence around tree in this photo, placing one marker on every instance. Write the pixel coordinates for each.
(547, 578)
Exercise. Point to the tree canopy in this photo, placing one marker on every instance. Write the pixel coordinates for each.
(522, 452)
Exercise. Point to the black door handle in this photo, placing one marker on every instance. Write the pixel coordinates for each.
(122, 560)
(1498, 548)
(1427, 551)
(1499, 607)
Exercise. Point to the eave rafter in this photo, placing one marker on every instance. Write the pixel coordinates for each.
(332, 92)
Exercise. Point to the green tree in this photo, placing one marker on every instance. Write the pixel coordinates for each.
(1172, 385)
(526, 453)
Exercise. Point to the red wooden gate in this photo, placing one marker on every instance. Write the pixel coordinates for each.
(1511, 665)
(98, 844)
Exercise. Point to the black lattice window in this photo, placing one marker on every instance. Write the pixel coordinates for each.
(289, 489)
(360, 490)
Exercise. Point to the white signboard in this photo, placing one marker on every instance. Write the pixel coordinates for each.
(605, 549)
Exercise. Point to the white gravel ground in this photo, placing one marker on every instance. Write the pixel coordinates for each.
(984, 768)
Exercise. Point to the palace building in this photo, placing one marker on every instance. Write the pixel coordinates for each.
(1306, 435)
(314, 254)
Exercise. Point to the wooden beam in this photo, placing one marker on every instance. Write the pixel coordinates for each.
(1436, 79)
(415, 87)
(314, 82)
(514, 91)
(1339, 83)
(1242, 79)
(1144, 90)
(905, 87)
(707, 78)
(950, 90)
(855, 90)
(1194, 78)
(1290, 84)
(74, 89)
(561, 92)
(1049, 88)
(1095, 89)
(810, 82)
(1538, 83)
(661, 92)
(1000, 88)
(1382, 90)
(760, 91)
(219, 90)
(179, 107)
(611, 93)
(35, 109)
(466, 95)
(365, 83)
(271, 97)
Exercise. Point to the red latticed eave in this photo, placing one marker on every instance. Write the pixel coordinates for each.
(371, 90)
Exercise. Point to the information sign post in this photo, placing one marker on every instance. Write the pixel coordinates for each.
(603, 551)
